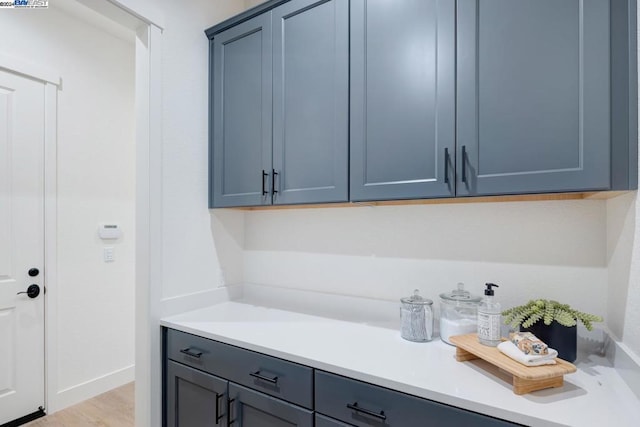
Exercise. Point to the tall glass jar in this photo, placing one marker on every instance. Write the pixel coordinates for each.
(416, 318)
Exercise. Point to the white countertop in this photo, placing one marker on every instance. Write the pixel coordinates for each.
(593, 396)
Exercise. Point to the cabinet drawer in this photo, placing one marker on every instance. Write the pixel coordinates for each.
(322, 421)
(194, 351)
(363, 404)
(276, 377)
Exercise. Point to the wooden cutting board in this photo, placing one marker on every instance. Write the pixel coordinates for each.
(525, 378)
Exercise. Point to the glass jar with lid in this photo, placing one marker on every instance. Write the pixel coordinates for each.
(458, 313)
(416, 318)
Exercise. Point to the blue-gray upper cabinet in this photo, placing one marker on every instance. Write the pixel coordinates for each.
(311, 101)
(241, 106)
(533, 96)
(402, 99)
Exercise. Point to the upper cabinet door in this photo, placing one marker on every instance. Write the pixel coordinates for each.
(402, 99)
(310, 99)
(241, 108)
(533, 96)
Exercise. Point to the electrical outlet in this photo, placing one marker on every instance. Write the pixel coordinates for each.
(108, 254)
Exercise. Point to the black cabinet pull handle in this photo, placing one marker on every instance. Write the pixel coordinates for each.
(354, 406)
(264, 186)
(218, 416)
(229, 403)
(273, 181)
(446, 165)
(464, 163)
(191, 353)
(257, 375)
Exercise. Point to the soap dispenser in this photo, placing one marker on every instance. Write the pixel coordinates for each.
(489, 316)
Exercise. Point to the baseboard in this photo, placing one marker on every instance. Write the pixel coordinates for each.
(87, 390)
(195, 301)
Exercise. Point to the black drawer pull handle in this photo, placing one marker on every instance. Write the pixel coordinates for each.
(229, 411)
(273, 181)
(257, 375)
(354, 406)
(264, 187)
(464, 163)
(446, 165)
(191, 353)
(218, 416)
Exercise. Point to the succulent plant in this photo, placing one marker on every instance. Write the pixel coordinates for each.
(547, 311)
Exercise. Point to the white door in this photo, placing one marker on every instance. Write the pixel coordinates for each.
(21, 246)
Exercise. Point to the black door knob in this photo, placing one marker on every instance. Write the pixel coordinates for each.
(32, 291)
(33, 272)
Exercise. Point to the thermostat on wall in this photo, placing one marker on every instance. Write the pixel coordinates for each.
(109, 231)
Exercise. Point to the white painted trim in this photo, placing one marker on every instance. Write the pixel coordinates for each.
(87, 390)
(194, 301)
(156, 276)
(143, 10)
(28, 69)
(143, 372)
(51, 245)
(148, 226)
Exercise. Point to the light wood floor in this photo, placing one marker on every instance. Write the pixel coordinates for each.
(112, 409)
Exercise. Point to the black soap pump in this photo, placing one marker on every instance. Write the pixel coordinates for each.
(489, 317)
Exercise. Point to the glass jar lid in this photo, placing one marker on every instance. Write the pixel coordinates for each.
(460, 295)
(416, 298)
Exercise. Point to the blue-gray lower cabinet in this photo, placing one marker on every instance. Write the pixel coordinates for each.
(194, 398)
(402, 99)
(209, 383)
(534, 97)
(322, 421)
(250, 408)
(362, 404)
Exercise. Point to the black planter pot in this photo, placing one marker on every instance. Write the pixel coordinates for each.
(561, 338)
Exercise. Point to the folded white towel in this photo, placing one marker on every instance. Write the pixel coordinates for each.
(511, 350)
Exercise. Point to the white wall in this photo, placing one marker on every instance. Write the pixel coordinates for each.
(96, 175)
(623, 251)
(631, 335)
(621, 231)
(551, 249)
(201, 250)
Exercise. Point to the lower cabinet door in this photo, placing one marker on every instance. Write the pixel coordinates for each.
(194, 398)
(250, 408)
(322, 421)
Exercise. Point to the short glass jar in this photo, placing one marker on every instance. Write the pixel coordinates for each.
(458, 313)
